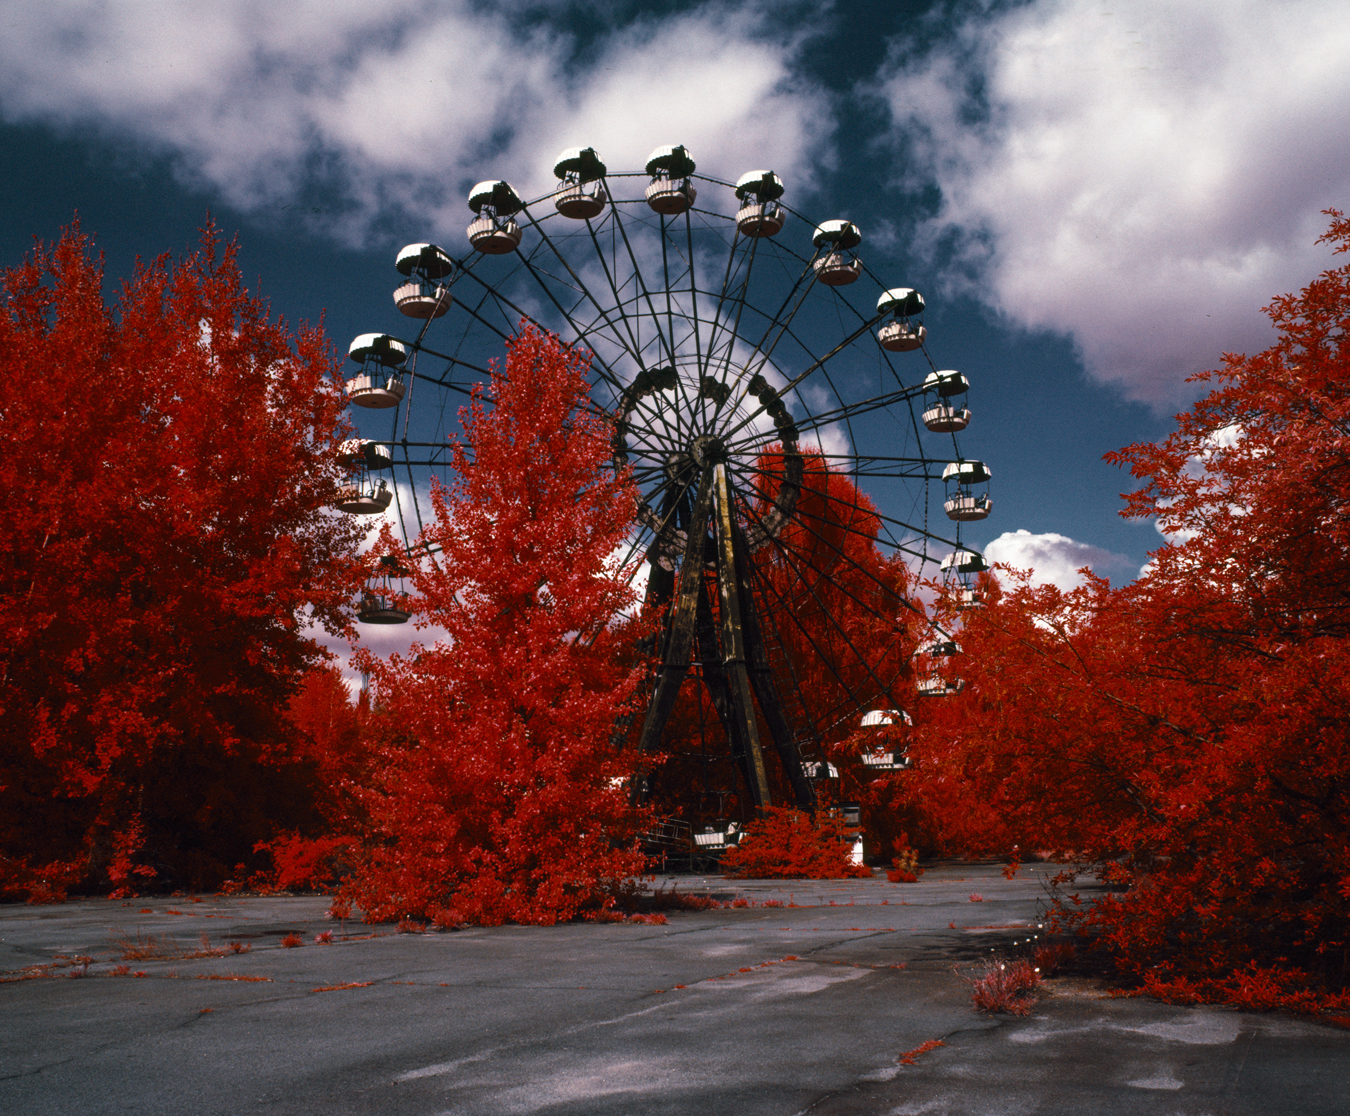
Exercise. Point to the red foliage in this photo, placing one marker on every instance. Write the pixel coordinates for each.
(166, 467)
(905, 866)
(790, 844)
(499, 797)
(1007, 986)
(907, 1058)
(1188, 733)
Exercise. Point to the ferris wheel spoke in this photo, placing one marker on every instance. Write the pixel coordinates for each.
(693, 298)
(723, 296)
(839, 553)
(605, 315)
(780, 323)
(819, 363)
(828, 656)
(645, 295)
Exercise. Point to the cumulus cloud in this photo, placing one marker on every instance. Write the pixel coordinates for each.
(1053, 559)
(396, 107)
(1141, 177)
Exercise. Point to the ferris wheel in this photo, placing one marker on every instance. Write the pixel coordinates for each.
(747, 360)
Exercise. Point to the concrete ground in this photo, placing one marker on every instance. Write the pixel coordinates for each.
(771, 1010)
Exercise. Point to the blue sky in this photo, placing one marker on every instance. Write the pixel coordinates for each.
(1095, 199)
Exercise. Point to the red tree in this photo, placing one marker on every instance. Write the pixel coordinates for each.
(501, 799)
(1188, 733)
(167, 463)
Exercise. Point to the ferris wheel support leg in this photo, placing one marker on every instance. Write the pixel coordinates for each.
(680, 637)
(719, 687)
(660, 590)
(733, 640)
(770, 703)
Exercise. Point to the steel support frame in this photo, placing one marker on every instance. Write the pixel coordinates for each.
(733, 661)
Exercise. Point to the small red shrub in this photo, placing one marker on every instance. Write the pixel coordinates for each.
(291, 940)
(790, 844)
(672, 900)
(1007, 986)
(1049, 958)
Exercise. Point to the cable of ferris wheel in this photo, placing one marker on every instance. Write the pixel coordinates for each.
(646, 296)
(597, 361)
(632, 347)
(782, 321)
(862, 407)
(637, 349)
(715, 319)
(693, 296)
(818, 363)
(670, 320)
(839, 552)
(803, 517)
(499, 299)
(789, 561)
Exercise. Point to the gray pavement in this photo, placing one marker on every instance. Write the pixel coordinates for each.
(772, 1010)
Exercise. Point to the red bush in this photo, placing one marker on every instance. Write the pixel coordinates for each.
(1007, 986)
(790, 844)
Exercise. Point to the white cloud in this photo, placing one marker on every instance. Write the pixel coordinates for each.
(1141, 177)
(397, 107)
(1053, 559)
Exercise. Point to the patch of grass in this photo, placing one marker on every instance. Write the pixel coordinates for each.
(161, 947)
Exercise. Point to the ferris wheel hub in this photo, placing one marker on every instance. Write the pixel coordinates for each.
(708, 449)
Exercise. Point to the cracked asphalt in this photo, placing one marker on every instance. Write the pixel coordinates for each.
(807, 1007)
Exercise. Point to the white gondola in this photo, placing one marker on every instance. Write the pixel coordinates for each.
(964, 562)
(717, 838)
(964, 503)
(495, 232)
(969, 598)
(581, 194)
(967, 507)
(424, 295)
(940, 687)
(671, 192)
(940, 647)
(383, 600)
(901, 334)
(760, 214)
(374, 609)
(819, 769)
(946, 418)
(879, 717)
(364, 499)
(885, 761)
(836, 265)
(876, 759)
(946, 383)
(380, 382)
(364, 453)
